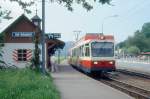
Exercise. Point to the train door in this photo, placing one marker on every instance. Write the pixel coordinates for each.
(87, 50)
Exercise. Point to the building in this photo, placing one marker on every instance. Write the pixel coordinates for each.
(19, 41)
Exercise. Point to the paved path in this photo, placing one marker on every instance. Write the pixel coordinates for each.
(74, 85)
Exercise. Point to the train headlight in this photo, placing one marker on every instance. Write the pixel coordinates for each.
(102, 37)
(95, 62)
(111, 62)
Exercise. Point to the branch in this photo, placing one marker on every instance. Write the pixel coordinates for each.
(85, 3)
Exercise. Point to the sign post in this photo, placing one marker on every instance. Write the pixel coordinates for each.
(54, 35)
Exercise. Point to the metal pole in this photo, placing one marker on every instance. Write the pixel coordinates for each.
(105, 19)
(77, 33)
(43, 36)
(102, 26)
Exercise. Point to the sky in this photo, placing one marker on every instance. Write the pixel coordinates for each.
(130, 16)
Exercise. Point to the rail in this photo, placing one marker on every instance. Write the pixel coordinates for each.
(132, 73)
(133, 91)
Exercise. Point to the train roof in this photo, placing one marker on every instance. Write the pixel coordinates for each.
(94, 36)
(98, 36)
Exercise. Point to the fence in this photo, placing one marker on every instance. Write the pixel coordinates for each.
(136, 59)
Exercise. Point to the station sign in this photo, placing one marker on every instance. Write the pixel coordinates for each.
(54, 35)
(23, 34)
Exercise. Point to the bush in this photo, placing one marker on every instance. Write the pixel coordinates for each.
(133, 50)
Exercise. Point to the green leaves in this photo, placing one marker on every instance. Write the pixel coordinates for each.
(138, 42)
(24, 4)
(146, 29)
(85, 3)
(5, 14)
(105, 1)
(133, 50)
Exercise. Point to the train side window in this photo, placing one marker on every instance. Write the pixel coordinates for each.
(82, 51)
(87, 50)
(78, 52)
(73, 52)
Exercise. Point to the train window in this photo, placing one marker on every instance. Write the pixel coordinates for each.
(87, 50)
(77, 52)
(86, 45)
(73, 52)
(82, 51)
(102, 49)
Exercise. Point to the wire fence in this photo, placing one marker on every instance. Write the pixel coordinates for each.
(136, 59)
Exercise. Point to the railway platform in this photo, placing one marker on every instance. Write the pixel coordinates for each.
(75, 85)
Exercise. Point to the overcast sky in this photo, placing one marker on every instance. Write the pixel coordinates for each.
(132, 14)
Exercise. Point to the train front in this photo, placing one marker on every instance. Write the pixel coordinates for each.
(102, 55)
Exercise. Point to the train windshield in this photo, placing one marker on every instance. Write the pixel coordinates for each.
(102, 49)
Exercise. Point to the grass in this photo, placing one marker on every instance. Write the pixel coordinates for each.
(26, 84)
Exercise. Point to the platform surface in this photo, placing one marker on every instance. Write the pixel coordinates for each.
(75, 85)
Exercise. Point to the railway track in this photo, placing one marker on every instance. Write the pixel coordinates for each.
(133, 73)
(121, 83)
(130, 89)
(133, 91)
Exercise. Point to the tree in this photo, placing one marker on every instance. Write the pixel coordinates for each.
(67, 3)
(5, 14)
(146, 29)
(1, 39)
(140, 40)
(129, 42)
(120, 45)
(133, 50)
(36, 58)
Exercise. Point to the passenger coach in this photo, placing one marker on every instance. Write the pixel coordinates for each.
(93, 53)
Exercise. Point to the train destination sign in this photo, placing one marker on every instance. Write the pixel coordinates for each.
(54, 35)
(23, 34)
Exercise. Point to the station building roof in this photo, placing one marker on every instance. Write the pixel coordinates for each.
(58, 43)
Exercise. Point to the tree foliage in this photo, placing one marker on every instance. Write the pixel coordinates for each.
(146, 29)
(133, 50)
(138, 42)
(67, 3)
(1, 39)
(85, 3)
(5, 14)
(36, 58)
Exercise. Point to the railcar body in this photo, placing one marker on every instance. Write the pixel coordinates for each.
(93, 53)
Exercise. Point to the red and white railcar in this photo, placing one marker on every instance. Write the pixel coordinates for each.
(93, 53)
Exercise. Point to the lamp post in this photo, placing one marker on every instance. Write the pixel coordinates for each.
(77, 33)
(105, 19)
(43, 36)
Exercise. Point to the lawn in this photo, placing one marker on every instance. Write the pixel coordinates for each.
(26, 84)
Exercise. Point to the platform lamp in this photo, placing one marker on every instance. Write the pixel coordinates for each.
(36, 20)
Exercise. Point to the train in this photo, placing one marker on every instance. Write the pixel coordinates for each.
(93, 53)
